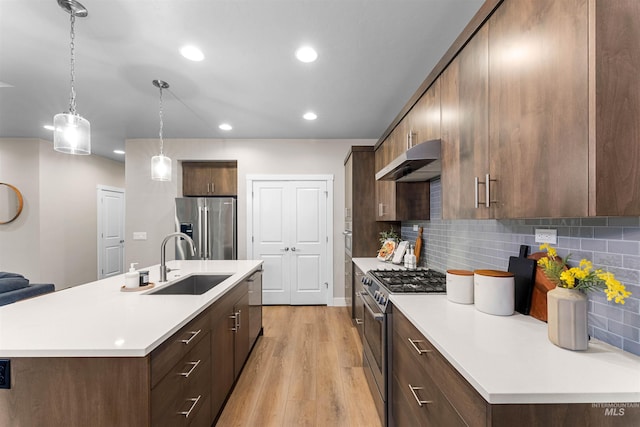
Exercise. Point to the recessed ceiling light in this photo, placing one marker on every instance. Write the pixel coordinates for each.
(48, 127)
(306, 54)
(225, 126)
(118, 151)
(192, 53)
(310, 116)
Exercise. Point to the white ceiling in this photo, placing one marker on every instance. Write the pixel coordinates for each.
(373, 55)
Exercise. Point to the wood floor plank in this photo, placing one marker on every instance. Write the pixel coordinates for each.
(305, 371)
(300, 413)
(241, 403)
(362, 412)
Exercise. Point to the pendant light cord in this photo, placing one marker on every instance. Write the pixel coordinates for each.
(161, 124)
(72, 100)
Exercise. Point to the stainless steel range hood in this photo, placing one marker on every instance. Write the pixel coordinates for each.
(419, 163)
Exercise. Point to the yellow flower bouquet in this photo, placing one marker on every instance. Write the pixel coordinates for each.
(582, 277)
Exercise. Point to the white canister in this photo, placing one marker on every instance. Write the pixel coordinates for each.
(460, 286)
(494, 292)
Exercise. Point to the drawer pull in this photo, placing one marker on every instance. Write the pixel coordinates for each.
(415, 395)
(193, 368)
(195, 401)
(358, 321)
(419, 350)
(193, 335)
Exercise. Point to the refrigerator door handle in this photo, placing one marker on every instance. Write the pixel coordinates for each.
(206, 233)
(200, 224)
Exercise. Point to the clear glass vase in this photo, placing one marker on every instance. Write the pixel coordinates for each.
(567, 318)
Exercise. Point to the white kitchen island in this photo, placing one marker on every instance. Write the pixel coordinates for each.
(97, 319)
(95, 355)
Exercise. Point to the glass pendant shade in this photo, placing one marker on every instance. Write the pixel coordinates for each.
(72, 134)
(161, 168)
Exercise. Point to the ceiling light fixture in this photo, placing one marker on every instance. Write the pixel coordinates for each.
(306, 54)
(310, 116)
(192, 53)
(72, 133)
(225, 126)
(161, 164)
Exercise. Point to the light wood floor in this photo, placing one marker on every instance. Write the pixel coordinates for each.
(305, 371)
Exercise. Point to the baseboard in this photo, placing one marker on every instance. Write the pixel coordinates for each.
(340, 302)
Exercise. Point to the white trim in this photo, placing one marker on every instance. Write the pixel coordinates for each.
(261, 177)
(99, 189)
(340, 302)
(329, 179)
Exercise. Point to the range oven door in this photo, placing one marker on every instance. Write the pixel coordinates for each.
(373, 346)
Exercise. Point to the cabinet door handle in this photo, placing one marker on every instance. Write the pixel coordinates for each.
(380, 209)
(418, 349)
(235, 322)
(358, 321)
(488, 200)
(195, 401)
(194, 365)
(477, 190)
(415, 395)
(193, 335)
(238, 317)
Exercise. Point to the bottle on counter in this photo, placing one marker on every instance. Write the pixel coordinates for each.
(410, 259)
(132, 277)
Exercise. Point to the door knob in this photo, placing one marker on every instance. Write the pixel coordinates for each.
(293, 249)
(121, 241)
(286, 249)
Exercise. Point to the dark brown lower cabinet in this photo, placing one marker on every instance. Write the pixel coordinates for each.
(183, 382)
(426, 390)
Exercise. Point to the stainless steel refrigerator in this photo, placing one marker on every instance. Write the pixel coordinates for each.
(211, 223)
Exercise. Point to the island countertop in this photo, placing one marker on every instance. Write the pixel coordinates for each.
(98, 320)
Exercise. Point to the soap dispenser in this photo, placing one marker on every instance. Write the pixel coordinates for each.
(132, 277)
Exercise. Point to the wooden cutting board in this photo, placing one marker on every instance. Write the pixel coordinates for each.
(418, 246)
(541, 286)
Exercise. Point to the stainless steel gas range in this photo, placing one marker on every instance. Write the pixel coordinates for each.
(378, 285)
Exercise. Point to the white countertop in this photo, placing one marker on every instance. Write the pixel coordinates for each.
(509, 359)
(98, 320)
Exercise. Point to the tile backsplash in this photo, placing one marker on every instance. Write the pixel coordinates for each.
(612, 243)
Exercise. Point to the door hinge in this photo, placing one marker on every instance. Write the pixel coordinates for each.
(327, 239)
(326, 194)
(251, 239)
(326, 285)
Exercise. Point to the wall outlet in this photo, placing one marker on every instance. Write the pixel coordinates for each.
(139, 235)
(547, 235)
(5, 373)
(415, 227)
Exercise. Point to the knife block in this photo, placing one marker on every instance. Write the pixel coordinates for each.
(541, 286)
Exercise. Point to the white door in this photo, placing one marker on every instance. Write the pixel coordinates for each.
(290, 236)
(110, 232)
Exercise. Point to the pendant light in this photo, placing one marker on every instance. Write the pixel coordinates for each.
(72, 133)
(161, 164)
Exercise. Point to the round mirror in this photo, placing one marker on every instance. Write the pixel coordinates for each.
(10, 203)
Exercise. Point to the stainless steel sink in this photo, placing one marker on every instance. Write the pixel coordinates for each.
(192, 285)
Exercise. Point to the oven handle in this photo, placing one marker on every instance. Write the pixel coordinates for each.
(377, 316)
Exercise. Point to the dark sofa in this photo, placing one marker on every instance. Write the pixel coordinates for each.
(15, 287)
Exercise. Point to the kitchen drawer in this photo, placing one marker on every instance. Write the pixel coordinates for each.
(466, 400)
(174, 348)
(408, 373)
(187, 380)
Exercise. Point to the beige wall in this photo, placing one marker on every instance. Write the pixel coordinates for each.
(20, 239)
(61, 224)
(150, 204)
